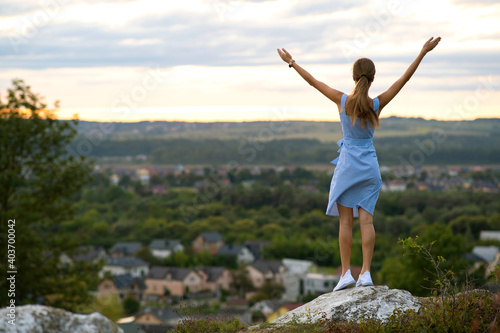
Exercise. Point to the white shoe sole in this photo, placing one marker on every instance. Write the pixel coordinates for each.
(345, 285)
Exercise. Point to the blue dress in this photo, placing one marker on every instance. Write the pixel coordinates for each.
(356, 181)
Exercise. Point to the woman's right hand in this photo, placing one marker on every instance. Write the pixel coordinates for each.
(287, 57)
(430, 44)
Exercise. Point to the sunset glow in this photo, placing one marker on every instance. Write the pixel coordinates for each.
(210, 60)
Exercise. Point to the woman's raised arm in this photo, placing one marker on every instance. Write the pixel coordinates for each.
(329, 92)
(390, 93)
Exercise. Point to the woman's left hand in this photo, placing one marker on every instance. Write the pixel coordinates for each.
(285, 55)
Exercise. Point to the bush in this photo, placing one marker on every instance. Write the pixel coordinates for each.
(209, 325)
(108, 305)
(131, 306)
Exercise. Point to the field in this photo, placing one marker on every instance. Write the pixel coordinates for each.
(414, 141)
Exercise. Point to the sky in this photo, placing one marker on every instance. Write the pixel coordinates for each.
(216, 60)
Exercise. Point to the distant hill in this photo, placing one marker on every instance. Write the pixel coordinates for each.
(323, 131)
(292, 142)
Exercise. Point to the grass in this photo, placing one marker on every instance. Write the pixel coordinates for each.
(213, 324)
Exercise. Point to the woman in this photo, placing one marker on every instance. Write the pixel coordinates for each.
(356, 181)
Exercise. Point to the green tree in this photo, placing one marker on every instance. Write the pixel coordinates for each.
(269, 230)
(270, 290)
(413, 272)
(180, 259)
(177, 229)
(37, 179)
(131, 305)
(247, 226)
(242, 282)
(108, 305)
(145, 254)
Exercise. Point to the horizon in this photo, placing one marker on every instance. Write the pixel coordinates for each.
(239, 114)
(267, 120)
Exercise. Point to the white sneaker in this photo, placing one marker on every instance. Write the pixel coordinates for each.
(345, 281)
(364, 280)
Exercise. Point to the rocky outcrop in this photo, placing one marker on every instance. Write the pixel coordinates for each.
(376, 302)
(45, 319)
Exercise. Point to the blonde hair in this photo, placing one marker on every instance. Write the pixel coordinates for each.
(358, 105)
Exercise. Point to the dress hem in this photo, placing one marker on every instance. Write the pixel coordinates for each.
(353, 208)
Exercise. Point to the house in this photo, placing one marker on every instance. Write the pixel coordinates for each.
(262, 271)
(125, 249)
(318, 283)
(144, 176)
(488, 253)
(158, 316)
(282, 310)
(474, 258)
(242, 253)
(208, 241)
(294, 276)
(63, 259)
(159, 189)
(125, 265)
(299, 267)
(215, 279)
(123, 285)
(257, 247)
(90, 254)
(163, 248)
(114, 179)
(384, 168)
(396, 185)
(267, 307)
(130, 327)
(162, 281)
(489, 235)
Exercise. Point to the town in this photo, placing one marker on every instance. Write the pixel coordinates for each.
(157, 279)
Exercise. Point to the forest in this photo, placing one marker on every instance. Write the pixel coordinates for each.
(274, 207)
(399, 141)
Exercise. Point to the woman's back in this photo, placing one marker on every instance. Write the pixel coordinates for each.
(357, 131)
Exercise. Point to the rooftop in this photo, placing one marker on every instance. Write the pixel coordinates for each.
(126, 248)
(212, 236)
(126, 262)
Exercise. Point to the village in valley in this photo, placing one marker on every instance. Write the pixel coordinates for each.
(213, 288)
(249, 286)
(128, 276)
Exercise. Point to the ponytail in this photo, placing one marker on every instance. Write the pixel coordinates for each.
(358, 105)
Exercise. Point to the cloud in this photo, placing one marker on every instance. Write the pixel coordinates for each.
(230, 45)
(316, 29)
(475, 2)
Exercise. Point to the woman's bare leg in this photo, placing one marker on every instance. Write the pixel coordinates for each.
(367, 238)
(345, 236)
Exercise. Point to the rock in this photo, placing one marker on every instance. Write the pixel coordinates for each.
(352, 304)
(45, 319)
